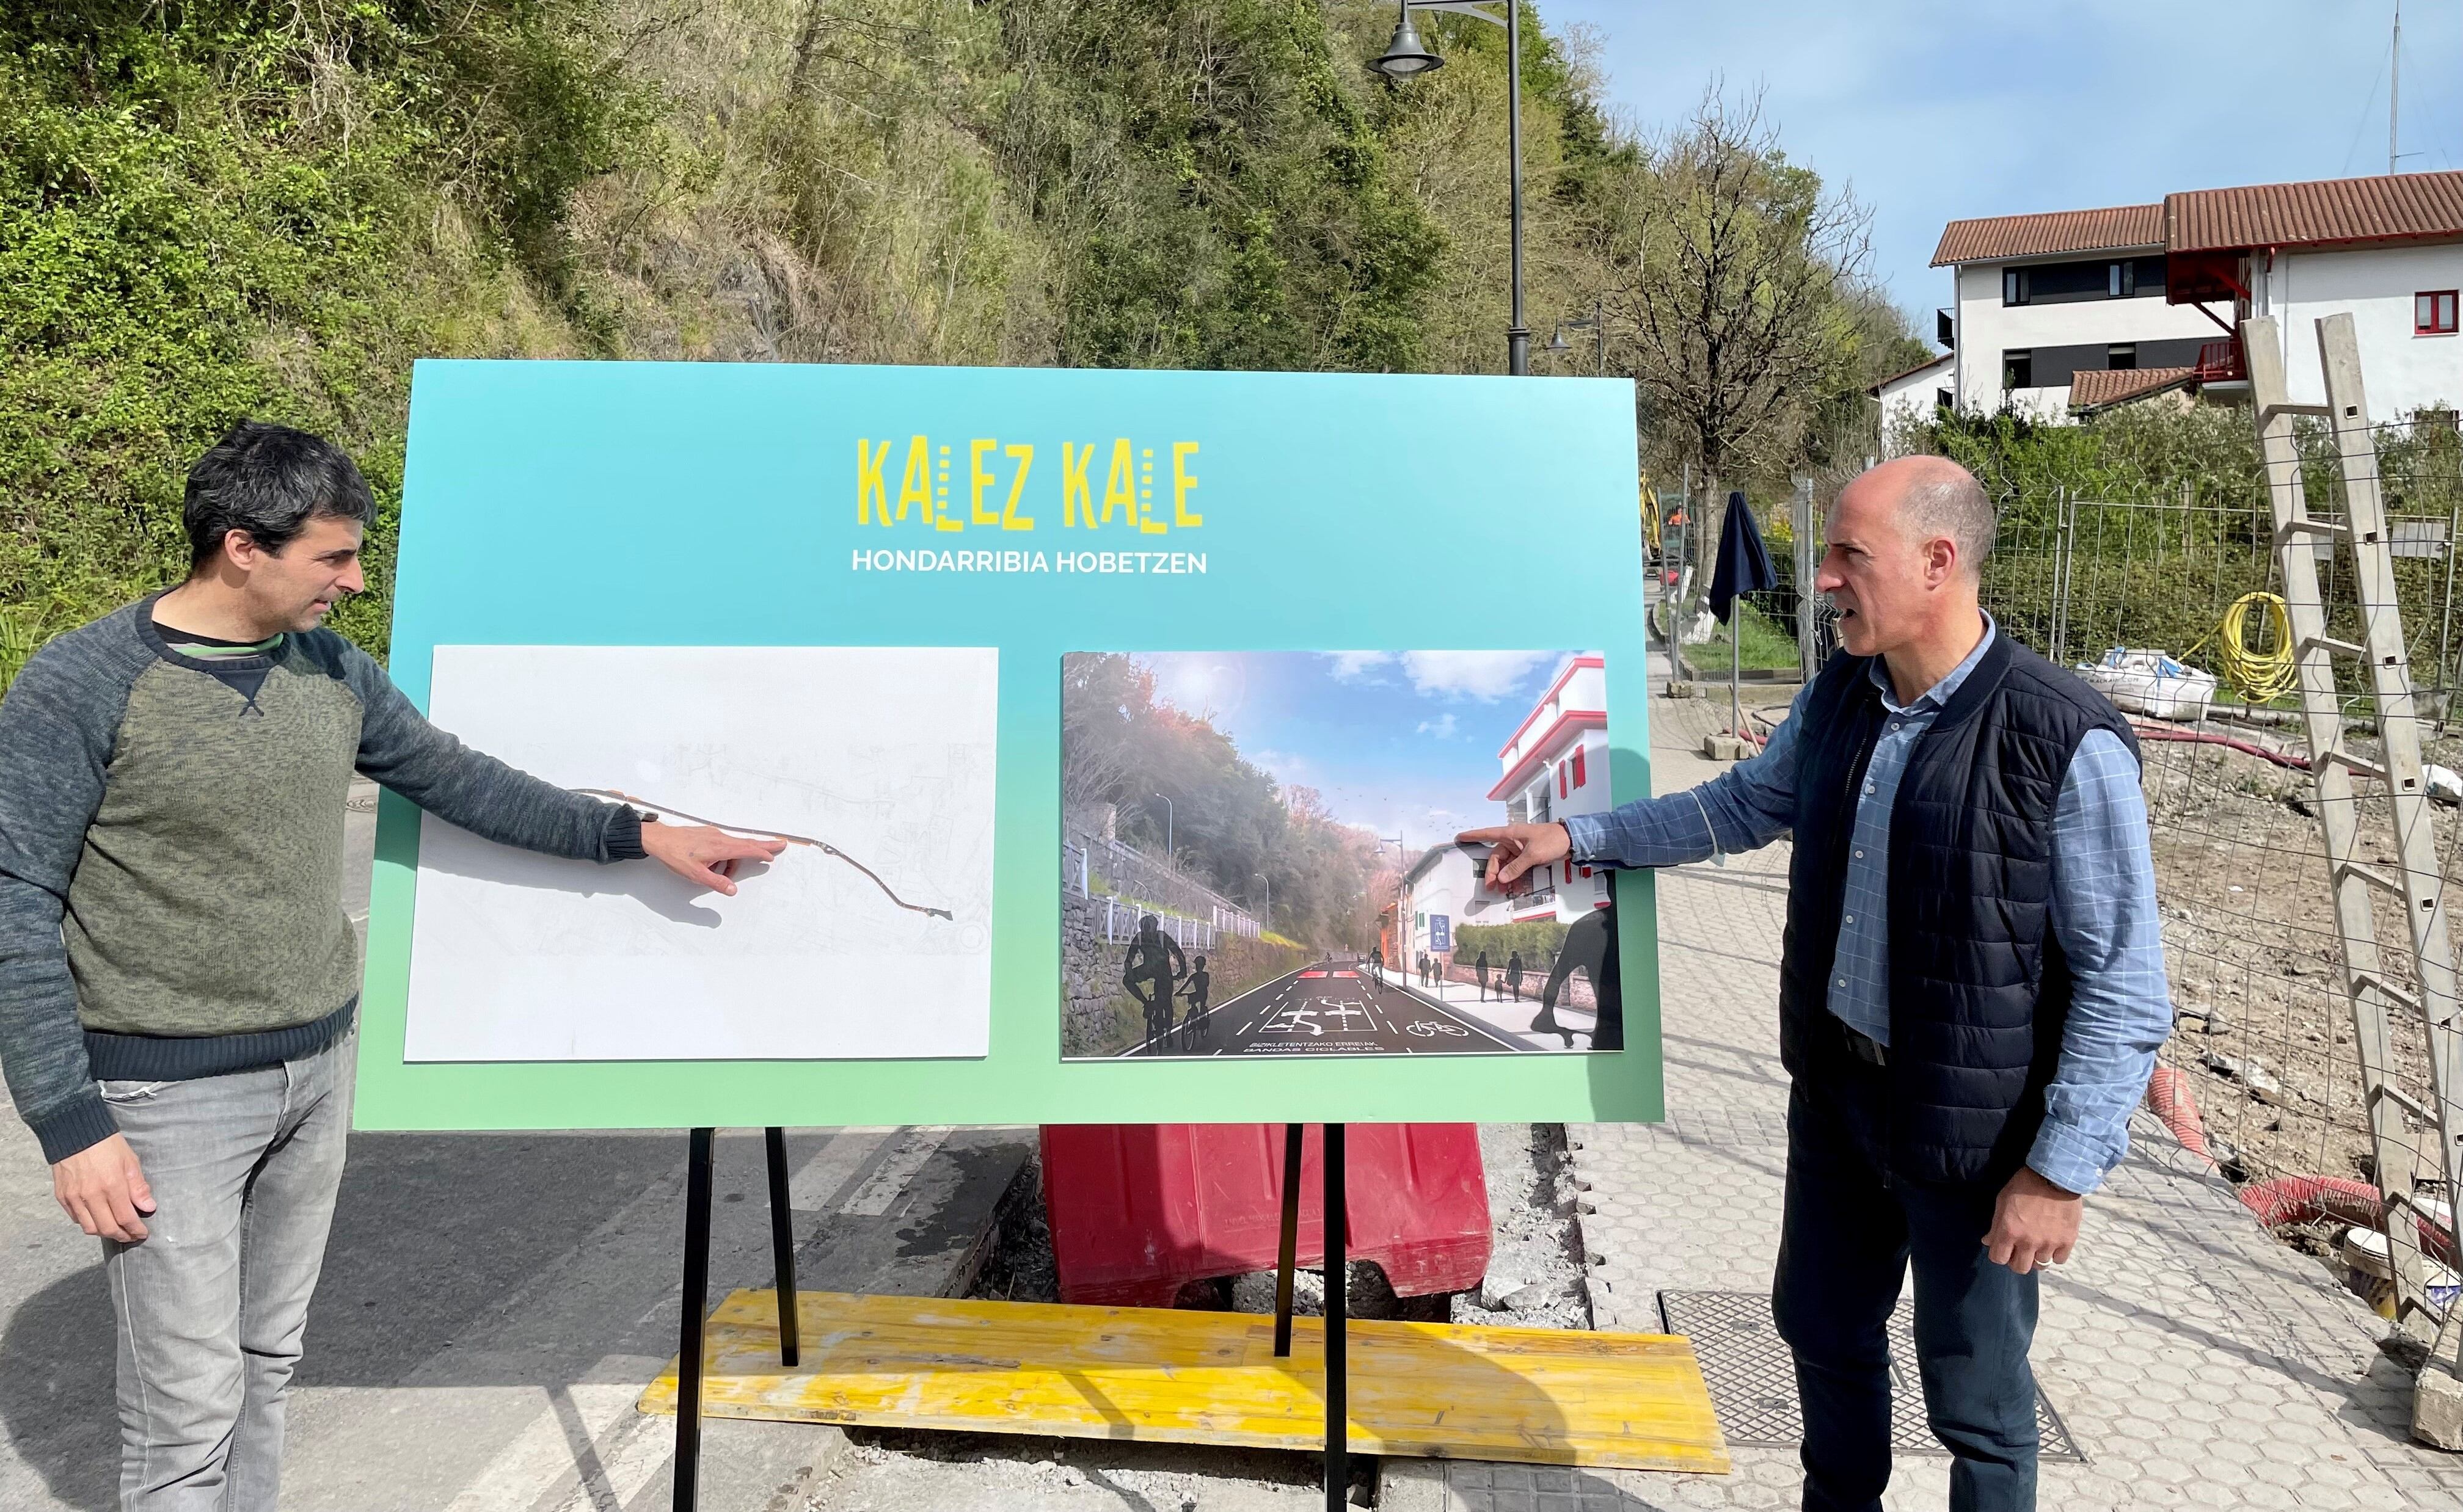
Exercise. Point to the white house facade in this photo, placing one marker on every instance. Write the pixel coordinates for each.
(1912, 396)
(2161, 289)
(2041, 298)
(1555, 764)
(1436, 896)
(2409, 358)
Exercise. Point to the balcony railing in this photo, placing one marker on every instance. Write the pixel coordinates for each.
(2222, 362)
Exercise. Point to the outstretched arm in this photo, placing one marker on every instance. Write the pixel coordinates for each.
(1743, 808)
(401, 749)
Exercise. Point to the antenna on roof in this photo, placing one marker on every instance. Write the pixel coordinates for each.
(2394, 88)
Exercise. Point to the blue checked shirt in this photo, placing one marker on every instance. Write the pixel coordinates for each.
(2103, 906)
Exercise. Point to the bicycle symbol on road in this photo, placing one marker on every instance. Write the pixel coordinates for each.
(1428, 1030)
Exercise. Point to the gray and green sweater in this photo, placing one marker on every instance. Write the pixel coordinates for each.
(171, 855)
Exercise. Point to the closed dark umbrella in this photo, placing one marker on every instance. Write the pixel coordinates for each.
(1744, 568)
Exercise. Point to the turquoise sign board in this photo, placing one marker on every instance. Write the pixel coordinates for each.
(854, 607)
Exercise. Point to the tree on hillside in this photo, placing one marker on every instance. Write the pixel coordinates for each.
(1729, 275)
(1231, 823)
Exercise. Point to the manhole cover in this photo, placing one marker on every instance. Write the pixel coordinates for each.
(1752, 1381)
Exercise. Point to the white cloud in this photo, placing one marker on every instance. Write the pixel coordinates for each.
(1442, 728)
(1351, 665)
(1284, 767)
(1484, 675)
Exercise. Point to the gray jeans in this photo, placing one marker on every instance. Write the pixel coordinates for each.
(213, 1303)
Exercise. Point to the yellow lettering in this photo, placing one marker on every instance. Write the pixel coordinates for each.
(978, 479)
(869, 484)
(1074, 487)
(1182, 481)
(916, 487)
(1011, 519)
(1121, 485)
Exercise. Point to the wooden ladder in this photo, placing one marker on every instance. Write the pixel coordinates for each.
(2417, 885)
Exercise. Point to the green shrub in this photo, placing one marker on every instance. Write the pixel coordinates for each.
(1539, 940)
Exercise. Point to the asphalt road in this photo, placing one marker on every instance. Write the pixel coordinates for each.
(1329, 1008)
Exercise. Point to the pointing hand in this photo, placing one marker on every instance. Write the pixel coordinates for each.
(703, 855)
(1519, 847)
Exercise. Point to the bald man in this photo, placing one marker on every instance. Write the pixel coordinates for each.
(1973, 988)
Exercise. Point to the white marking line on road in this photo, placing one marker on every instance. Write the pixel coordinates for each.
(1151, 1041)
(1477, 1027)
(585, 1440)
(578, 1440)
(630, 1462)
(888, 1183)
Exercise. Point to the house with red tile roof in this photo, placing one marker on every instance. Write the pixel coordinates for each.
(2052, 309)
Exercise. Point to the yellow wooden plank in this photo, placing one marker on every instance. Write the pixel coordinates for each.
(1438, 1390)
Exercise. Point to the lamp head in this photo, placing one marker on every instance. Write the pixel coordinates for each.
(1406, 56)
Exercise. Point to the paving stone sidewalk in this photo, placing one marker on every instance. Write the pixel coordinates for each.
(2196, 1362)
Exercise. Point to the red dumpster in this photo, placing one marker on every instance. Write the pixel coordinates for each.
(1137, 1210)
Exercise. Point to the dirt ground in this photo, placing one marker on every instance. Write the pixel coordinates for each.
(2263, 1030)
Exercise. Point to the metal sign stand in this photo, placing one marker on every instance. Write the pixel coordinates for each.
(1337, 1417)
(689, 1363)
(698, 1171)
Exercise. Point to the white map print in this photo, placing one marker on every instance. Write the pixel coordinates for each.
(883, 754)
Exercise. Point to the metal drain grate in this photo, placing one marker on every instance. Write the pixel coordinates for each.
(1753, 1380)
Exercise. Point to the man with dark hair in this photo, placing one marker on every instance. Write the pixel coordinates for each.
(178, 980)
(1973, 989)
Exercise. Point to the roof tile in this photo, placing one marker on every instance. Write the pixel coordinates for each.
(1996, 237)
(2383, 207)
(2094, 389)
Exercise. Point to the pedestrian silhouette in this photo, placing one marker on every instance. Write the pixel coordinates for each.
(1481, 966)
(1514, 975)
(1589, 948)
(1149, 968)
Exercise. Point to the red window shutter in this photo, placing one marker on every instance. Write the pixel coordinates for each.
(1560, 779)
(1578, 766)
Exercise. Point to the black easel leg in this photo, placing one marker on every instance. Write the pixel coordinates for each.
(1288, 1255)
(696, 1309)
(782, 1246)
(1337, 1413)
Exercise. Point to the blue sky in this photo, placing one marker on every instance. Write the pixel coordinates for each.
(1390, 739)
(1937, 110)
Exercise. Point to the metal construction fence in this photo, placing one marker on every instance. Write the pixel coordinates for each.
(2265, 1034)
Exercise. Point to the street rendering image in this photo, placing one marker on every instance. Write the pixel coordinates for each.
(1257, 854)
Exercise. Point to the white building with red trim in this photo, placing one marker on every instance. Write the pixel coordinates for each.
(1557, 764)
(2074, 311)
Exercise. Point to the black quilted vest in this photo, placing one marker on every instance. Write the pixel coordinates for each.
(1978, 990)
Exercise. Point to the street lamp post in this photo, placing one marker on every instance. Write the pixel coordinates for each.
(1405, 58)
(1403, 931)
(1167, 833)
(1269, 882)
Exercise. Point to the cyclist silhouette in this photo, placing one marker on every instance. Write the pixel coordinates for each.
(1199, 985)
(1152, 963)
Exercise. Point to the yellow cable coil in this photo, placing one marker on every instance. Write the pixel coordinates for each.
(2262, 677)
